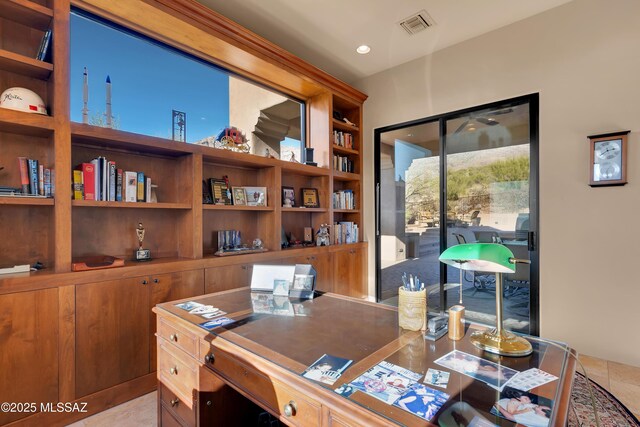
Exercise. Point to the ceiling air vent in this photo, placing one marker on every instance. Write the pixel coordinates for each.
(417, 22)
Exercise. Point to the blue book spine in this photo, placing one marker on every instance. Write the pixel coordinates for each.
(33, 176)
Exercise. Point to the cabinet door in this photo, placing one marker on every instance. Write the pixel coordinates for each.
(28, 349)
(112, 333)
(348, 273)
(170, 287)
(228, 277)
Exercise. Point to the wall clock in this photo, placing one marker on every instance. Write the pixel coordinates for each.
(608, 159)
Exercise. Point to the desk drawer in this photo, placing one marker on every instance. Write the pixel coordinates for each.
(177, 371)
(177, 407)
(270, 393)
(178, 336)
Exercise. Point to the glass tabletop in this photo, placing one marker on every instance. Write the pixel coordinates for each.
(294, 334)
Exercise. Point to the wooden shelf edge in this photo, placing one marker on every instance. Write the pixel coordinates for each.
(347, 211)
(21, 64)
(27, 13)
(20, 122)
(343, 150)
(130, 205)
(345, 176)
(304, 210)
(26, 201)
(344, 126)
(238, 208)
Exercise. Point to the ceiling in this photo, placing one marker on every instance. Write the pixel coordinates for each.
(326, 33)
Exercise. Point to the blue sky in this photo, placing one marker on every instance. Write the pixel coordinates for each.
(147, 83)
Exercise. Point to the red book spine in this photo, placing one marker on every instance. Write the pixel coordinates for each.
(24, 174)
(88, 173)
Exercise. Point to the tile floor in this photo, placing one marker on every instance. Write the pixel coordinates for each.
(623, 381)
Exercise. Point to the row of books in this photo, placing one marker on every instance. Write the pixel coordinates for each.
(43, 50)
(344, 199)
(101, 180)
(343, 139)
(345, 232)
(343, 164)
(35, 179)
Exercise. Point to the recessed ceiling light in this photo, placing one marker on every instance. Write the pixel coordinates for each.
(363, 49)
(471, 128)
(409, 134)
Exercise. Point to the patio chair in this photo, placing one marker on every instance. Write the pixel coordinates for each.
(487, 236)
(479, 280)
(520, 280)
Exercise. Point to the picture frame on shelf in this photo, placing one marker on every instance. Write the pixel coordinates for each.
(288, 193)
(220, 191)
(239, 196)
(608, 159)
(256, 196)
(310, 197)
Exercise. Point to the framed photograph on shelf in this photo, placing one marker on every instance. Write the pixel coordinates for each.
(256, 196)
(310, 198)
(239, 196)
(288, 193)
(608, 159)
(220, 191)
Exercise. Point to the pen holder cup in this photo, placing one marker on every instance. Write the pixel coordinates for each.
(412, 309)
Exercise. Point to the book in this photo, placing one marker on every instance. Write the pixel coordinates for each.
(327, 369)
(53, 182)
(77, 185)
(119, 177)
(130, 186)
(43, 49)
(47, 182)
(88, 179)
(104, 179)
(140, 187)
(96, 178)
(147, 190)
(41, 179)
(112, 180)
(24, 174)
(206, 193)
(386, 381)
(422, 401)
(33, 176)
(522, 407)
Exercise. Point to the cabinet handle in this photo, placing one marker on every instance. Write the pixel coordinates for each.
(209, 358)
(173, 337)
(156, 280)
(290, 408)
(145, 282)
(175, 402)
(244, 267)
(352, 251)
(174, 370)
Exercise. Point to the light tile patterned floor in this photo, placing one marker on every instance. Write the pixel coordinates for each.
(622, 381)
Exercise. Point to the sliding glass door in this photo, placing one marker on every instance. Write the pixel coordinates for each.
(467, 176)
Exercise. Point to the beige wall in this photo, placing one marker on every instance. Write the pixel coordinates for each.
(584, 60)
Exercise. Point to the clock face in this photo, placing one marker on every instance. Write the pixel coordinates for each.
(607, 150)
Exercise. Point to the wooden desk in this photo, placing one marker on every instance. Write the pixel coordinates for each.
(261, 356)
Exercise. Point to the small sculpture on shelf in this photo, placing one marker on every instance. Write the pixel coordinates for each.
(141, 254)
(322, 236)
(257, 243)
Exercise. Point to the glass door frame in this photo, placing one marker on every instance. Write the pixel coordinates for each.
(534, 194)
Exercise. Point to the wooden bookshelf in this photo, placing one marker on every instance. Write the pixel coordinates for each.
(26, 201)
(130, 205)
(337, 124)
(25, 124)
(343, 150)
(237, 208)
(304, 210)
(27, 13)
(20, 64)
(346, 176)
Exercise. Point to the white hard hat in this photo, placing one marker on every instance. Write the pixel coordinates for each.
(21, 99)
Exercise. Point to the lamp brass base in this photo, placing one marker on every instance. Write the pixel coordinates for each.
(504, 343)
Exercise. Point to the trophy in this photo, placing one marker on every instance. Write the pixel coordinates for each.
(141, 254)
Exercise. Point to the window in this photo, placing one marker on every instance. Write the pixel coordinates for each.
(138, 85)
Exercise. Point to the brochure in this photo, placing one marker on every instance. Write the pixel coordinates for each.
(204, 309)
(189, 305)
(386, 381)
(345, 390)
(220, 321)
(437, 378)
(214, 314)
(494, 375)
(327, 369)
(523, 408)
(531, 378)
(422, 401)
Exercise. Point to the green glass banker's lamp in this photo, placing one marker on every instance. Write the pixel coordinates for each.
(498, 259)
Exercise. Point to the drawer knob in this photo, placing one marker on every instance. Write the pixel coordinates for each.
(174, 370)
(156, 280)
(209, 358)
(290, 408)
(173, 337)
(175, 402)
(144, 282)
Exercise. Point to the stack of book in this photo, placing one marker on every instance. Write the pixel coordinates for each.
(101, 180)
(345, 232)
(35, 179)
(344, 199)
(343, 139)
(343, 164)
